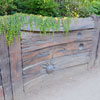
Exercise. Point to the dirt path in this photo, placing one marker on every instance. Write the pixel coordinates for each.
(70, 84)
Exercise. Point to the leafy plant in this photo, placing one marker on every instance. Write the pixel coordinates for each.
(96, 7)
(38, 7)
(7, 7)
(11, 25)
(80, 8)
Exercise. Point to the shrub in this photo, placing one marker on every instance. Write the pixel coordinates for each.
(70, 9)
(7, 7)
(42, 7)
(81, 8)
(96, 7)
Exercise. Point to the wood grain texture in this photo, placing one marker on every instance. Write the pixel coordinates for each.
(33, 41)
(64, 50)
(16, 70)
(5, 68)
(34, 71)
(36, 49)
(35, 57)
(76, 24)
(61, 51)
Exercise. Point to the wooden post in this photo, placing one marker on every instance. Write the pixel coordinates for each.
(5, 69)
(1, 89)
(1, 93)
(98, 51)
(94, 53)
(16, 70)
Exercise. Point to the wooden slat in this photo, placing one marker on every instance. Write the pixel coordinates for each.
(16, 70)
(59, 63)
(33, 41)
(71, 60)
(5, 68)
(76, 24)
(31, 58)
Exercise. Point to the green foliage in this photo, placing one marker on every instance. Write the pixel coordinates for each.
(11, 25)
(7, 7)
(96, 7)
(80, 8)
(72, 8)
(41, 7)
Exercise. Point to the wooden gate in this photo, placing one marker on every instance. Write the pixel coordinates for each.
(33, 56)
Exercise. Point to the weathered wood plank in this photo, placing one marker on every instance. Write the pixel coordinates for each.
(5, 68)
(1, 93)
(16, 70)
(37, 70)
(34, 36)
(34, 41)
(71, 60)
(34, 57)
(95, 43)
(76, 24)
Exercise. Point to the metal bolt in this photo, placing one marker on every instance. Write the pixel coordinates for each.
(49, 69)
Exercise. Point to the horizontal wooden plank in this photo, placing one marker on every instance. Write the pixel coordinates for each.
(32, 72)
(1, 93)
(33, 41)
(76, 24)
(35, 57)
(72, 60)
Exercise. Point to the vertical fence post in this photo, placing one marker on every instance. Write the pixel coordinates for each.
(16, 70)
(98, 51)
(5, 69)
(1, 94)
(1, 89)
(93, 55)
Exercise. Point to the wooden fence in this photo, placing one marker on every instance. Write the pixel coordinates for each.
(33, 56)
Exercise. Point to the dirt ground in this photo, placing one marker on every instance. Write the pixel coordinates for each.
(75, 83)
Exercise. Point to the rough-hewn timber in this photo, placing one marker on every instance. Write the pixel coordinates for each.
(5, 69)
(16, 70)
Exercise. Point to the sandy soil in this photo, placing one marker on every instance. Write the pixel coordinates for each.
(71, 84)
